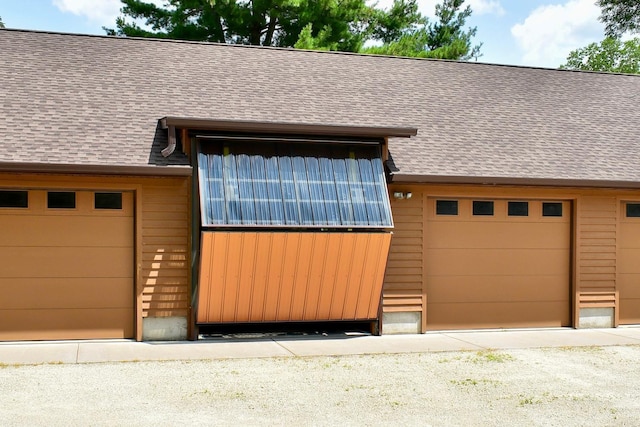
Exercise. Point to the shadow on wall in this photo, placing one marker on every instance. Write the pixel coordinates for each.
(165, 258)
(160, 141)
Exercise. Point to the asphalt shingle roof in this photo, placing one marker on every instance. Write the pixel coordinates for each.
(75, 99)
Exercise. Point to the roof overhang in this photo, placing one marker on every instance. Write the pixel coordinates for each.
(288, 128)
(541, 182)
(96, 169)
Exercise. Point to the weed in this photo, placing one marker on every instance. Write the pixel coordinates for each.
(472, 382)
(583, 349)
(529, 400)
(490, 356)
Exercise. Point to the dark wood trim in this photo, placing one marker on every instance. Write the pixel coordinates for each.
(288, 128)
(542, 182)
(96, 169)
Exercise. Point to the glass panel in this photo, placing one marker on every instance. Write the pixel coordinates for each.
(552, 209)
(372, 204)
(518, 208)
(342, 190)
(260, 189)
(290, 184)
(357, 192)
(481, 207)
(446, 207)
(231, 190)
(212, 188)
(633, 210)
(291, 214)
(315, 188)
(108, 200)
(329, 191)
(302, 189)
(274, 191)
(61, 200)
(245, 186)
(14, 199)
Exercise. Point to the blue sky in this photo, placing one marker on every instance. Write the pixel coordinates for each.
(517, 32)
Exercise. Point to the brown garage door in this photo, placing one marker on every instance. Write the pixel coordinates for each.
(497, 263)
(67, 265)
(628, 282)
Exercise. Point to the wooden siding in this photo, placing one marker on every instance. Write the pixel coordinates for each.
(290, 276)
(165, 248)
(596, 251)
(403, 280)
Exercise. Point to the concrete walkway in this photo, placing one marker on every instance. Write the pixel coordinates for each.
(96, 351)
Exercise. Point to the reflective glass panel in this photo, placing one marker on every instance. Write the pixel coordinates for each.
(292, 184)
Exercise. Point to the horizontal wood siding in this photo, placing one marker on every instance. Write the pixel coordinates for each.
(596, 251)
(403, 281)
(165, 248)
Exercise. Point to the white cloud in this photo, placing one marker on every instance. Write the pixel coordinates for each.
(428, 7)
(486, 7)
(550, 32)
(103, 12)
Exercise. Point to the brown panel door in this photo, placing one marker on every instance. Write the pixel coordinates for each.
(67, 273)
(628, 278)
(290, 276)
(488, 269)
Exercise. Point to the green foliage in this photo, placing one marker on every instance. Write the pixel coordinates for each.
(620, 16)
(443, 39)
(610, 55)
(401, 19)
(1, 23)
(344, 25)
(335, 24)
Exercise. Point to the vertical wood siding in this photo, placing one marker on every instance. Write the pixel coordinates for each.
(165, 248)
(290, 276)
(596, 252)
(403, 280)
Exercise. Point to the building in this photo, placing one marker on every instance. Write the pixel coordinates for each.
(148, 186)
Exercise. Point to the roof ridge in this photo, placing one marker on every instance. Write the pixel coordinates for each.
(290, 49)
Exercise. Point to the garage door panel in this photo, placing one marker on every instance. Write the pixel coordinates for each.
(628, 278)
(497, 270)
(67, 323)
(498, 235)
(629, 261)
(450, 289)
(628, 237)
(43, 293)
(509, 262)
(60, 231)
(86, 262)
(497, 315)
(67, 273)
(629, 285)
(630, 311)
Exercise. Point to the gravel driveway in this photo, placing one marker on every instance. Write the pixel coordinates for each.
(572, 386)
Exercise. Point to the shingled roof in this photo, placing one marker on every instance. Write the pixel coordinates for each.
(94, 100)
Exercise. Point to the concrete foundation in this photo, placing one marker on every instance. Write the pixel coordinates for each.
(596, 318)
(401, 323)
(164, 328)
